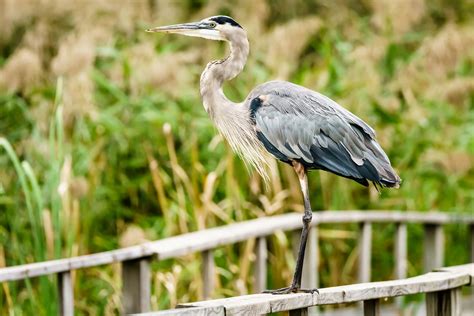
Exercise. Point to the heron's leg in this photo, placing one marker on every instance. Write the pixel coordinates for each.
(307, 216)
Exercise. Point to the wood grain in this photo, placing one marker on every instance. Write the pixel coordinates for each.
(136, 289)
(372, 307)
(446, 279)
(365, 252)
(444, 303)
(311, 261)
(433, 255)
(208, 273)
(191, 311)
(260, 274)
(66, 294)
(471, 240)
(401, 258)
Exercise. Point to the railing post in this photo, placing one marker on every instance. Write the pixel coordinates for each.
(66, 294)
(298, 312)
(434, 247)
(365, 249)
(444, 303)
(401, 251)
(136, 287)
(400, 256)
(471, 237)
(372, 307)
(261, 253)
(311, 261)
(208, 273)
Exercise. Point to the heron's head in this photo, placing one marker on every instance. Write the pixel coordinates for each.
(219, 28)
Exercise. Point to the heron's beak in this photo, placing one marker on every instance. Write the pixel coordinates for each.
(196, 29)
(177, 28)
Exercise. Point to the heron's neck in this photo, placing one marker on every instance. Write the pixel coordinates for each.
(219, 71)
(232, 119)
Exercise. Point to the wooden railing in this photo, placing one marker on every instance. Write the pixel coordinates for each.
(136, 260)
(443, 288)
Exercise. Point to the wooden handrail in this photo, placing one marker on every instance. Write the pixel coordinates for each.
(224, 235)
(444, 279)
(136, 285)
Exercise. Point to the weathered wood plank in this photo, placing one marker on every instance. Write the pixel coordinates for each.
(444, 303)
(401, 258)
(62, 265)
(136, 289)
(299, 312)
(365, 252)
(191, 311)
(66, 294)
(372, 307)
(259, 303)
(260, 274)
(311, 261)
(266, 303)
(208, 273)
(433, 256)
(467, 268)
(471, 240)
(215, 237)
(433, 281)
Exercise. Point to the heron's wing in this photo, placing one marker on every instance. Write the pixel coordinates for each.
(294, 123)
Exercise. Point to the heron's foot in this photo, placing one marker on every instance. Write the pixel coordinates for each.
(290, 289)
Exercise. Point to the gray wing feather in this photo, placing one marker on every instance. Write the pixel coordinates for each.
(307, 126)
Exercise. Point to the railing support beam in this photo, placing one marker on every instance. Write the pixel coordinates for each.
(401, 258)
(136, 289)
(401, 251)
(66, 294)
(208, 273)
(372, 307)
(365, 249)
(261, 253)
(311, 261)
(471, 239)
(444, 303)
(433, 256)
(299, 312)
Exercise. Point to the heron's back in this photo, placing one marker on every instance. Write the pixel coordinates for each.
(297, 124)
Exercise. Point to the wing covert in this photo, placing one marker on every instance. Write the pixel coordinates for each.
(303, 126)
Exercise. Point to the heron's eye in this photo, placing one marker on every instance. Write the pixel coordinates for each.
(212, 24)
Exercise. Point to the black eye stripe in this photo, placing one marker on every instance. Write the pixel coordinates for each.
(225, 19)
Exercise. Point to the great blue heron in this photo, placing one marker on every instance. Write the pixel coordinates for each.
(296, 125)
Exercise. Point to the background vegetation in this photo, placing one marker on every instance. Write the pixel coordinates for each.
(104, 142)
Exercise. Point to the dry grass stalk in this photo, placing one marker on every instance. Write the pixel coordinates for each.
(169, 72)
(455, 91)
(49, 233)
(22, 71)
(6, 288)
(244, 271)
(133, 235)
(456, 163)
(397, 16)
(255, 22)
(443, 52)
(280, 59)
(181, 198)
(437, 59)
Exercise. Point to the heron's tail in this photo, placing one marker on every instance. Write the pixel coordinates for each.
(386, 176)
(393, 182)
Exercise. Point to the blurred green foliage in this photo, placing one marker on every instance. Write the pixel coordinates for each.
(104, 142)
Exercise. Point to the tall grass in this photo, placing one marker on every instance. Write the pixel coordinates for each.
(118, 150)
